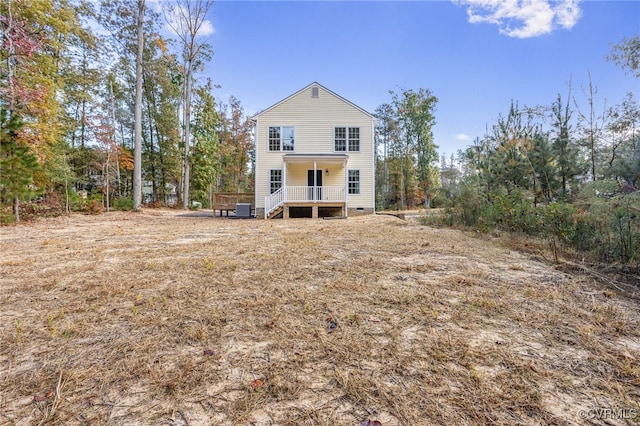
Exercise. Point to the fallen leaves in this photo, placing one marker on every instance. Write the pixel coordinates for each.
(45, 397)
(257, 384)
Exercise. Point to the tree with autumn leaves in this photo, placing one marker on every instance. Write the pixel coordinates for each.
(34, 57)
(68, 111)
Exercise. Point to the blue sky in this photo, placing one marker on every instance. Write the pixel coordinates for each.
(474, 55)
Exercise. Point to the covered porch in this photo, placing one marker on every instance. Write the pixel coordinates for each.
(311, 184)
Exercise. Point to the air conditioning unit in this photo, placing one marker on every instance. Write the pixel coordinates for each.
(243, 209)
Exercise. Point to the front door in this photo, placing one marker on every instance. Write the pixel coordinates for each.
(315, 185)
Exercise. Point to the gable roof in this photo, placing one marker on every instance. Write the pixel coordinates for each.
(315, 83)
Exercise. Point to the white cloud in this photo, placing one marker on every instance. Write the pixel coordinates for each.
(567, 13)
(523, 18)
(463, 137)
(206, 29)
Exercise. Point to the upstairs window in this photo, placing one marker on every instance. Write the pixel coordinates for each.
(346, 138)
(354, 138)
(281, 138)
(274, 138)
(340, 139)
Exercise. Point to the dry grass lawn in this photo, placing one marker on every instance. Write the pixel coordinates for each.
(164, 319)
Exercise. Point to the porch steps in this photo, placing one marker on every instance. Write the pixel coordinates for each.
(276, 213)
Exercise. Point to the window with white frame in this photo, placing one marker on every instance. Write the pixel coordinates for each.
(354, 138)
(281, 138)
(340, 139)
(346, 139)
(275, 180)
(354, 182)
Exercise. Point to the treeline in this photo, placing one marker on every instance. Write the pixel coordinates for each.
(568, 175)
(565, 173)
(68, 108)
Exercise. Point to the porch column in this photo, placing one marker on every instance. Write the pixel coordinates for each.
(346, 188)
(284, 180)
(314, 212)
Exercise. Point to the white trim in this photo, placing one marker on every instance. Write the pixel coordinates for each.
(284, 174)
(346, 190)
(373, 164)
(255, 174)
(322, 158)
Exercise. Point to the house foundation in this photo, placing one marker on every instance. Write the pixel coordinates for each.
(360, 211)
(317, 211)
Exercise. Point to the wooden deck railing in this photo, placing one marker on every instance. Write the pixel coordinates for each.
(227, 201)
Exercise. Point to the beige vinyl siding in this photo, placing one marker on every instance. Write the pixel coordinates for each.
(335, 177)
(296, 175)
(314, 120)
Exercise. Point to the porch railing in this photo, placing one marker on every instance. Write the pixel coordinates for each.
(311, 194)
(273, 201)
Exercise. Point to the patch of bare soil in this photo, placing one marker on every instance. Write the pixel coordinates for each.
(159, 318)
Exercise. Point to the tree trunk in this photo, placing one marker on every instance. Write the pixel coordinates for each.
(427, 200)
(137, 147)
(16, 208)
(187, 135)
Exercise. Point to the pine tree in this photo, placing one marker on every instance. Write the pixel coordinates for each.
(564, 148)
(206, 159)
(17, 164)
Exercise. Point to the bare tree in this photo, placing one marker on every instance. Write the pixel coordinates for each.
(591, 126)
(188, 20)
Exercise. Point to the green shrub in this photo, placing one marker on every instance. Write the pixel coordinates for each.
(442, 199)
(6, 215)
(514, 212)
(609, 225)
(559, 220)
(76, 202)
(469, 205)
(122, 203)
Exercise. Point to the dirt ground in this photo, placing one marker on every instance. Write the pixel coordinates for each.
(163, 318)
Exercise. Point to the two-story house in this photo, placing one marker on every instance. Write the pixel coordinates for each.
(314, 157)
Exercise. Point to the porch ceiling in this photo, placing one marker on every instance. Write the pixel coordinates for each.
(324, 158)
